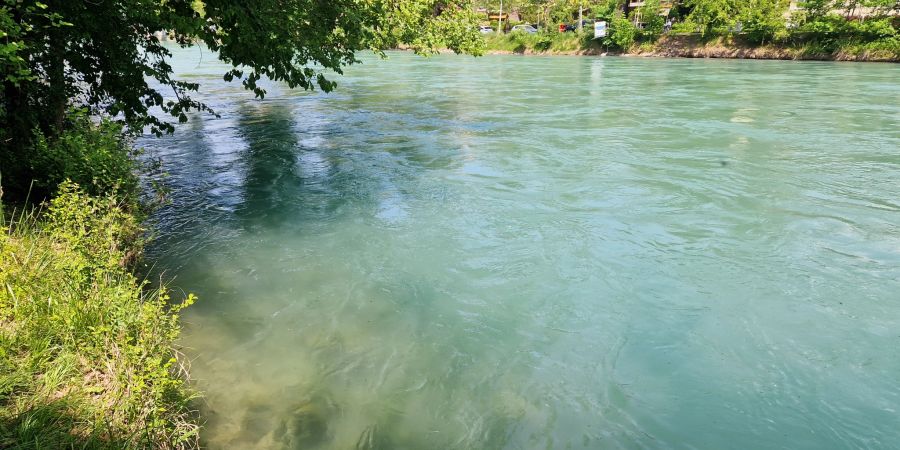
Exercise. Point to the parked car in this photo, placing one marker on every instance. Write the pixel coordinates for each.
(587, 24)
(484, 29)
(525, 29)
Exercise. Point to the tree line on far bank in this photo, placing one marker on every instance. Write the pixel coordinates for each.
(824, 25)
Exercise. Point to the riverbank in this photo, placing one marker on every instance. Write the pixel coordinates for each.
(690, 46)
(87, 348)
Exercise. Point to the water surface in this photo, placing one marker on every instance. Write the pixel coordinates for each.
(559, 252)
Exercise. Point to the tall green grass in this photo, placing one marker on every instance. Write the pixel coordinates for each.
(86, 349)
(543, 42)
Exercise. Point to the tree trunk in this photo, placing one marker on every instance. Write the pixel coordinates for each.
(14, 104)
(580, 17)
(15, 120)
(16, 135)
(56, 73)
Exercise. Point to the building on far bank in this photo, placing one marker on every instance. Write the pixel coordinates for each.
(665, 7)
(853, 10)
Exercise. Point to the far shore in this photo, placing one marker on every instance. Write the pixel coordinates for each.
(691, 47)
(764, 53)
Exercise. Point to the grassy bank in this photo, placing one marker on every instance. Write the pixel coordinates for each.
(543, 43)
(87, 356)
(696, 46)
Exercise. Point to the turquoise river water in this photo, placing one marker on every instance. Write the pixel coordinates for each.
(542, 253)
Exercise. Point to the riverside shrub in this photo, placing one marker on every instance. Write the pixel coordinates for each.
(622, 33)
(96, 156)
(86, 350)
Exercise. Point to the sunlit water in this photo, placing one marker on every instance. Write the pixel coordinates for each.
(560, 252)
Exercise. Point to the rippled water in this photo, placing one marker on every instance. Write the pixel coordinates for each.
(528, 252)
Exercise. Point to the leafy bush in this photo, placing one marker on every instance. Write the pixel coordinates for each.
(712, 16)
(873, 29)
(543, 43)
(605, 10)
(95, 157)
(12, 64)
(653, 22)
(834, 24)
(540, 42)
(884, 49)
(86, 351)
(763, 20)
(832, 33)
(685, 27)
(622, 33)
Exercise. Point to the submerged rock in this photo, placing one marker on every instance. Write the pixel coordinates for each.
(367, 439)
(306, 425)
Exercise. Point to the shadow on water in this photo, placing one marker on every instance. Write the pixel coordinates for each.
(273, 188)
(285, 179)
(298, 174)
(258, 172)
(250, 171)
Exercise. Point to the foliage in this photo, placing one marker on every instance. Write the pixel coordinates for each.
(712, 16)
(834, 34)
(685, 27)
(835, 25)
(885, 49)
(14, 67)
(544, 43)
(815, 26)
(622, 36)
(68, 44)
(94, 156)
(605, 10)
(758, 22)
(86, 356)
(99, 55)
(622, 33)
(551, 42)
(554, 12)
(653, 21)
(815, 9)
(763, 20)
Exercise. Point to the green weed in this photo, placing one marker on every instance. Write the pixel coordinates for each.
(86, 349)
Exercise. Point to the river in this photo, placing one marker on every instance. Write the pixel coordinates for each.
(542, 252)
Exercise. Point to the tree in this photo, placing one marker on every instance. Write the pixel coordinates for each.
(98, 55)
(649, 14)
(606, 9)
(100, 52)
(622, 32)
(816, 9)
(711, 15)
(764, 20)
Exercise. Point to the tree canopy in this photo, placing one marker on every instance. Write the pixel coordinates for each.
(99, 54)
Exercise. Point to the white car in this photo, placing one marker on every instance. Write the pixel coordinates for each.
(525, 29)
(484, 29)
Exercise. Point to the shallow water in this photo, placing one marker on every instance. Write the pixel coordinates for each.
(559, 252)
